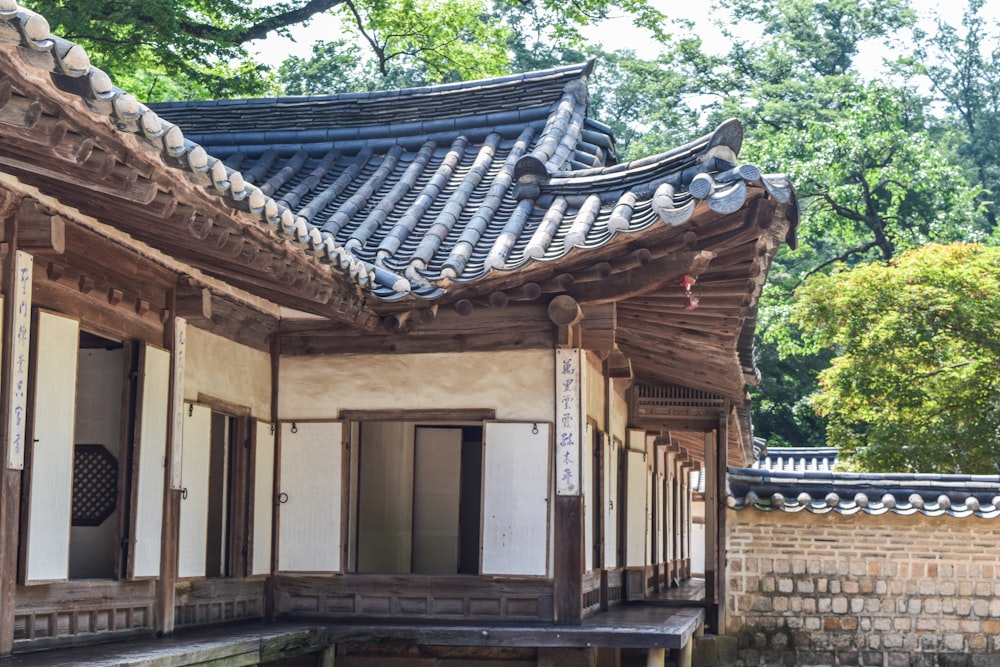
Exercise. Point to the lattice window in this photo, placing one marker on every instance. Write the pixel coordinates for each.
(95, 485)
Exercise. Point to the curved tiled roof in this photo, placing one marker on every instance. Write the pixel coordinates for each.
(797, 459)
(378, 208)
(871, 493)
(432, 185)
(411, 191)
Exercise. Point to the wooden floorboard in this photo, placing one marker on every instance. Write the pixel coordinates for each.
(624, 626)
(231, 645)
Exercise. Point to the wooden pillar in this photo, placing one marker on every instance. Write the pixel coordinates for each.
(719, 509)
(559, 657)
(270, 605)
(569, 511)
(10, 479)
(609, 657)
(166, 585)
(685, 654)
(656, 657)
(711, 523)
(568, 585)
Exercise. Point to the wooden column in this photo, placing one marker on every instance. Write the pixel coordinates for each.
(711, 522)
(558, 657)
(10, 480)
(269, 596)
(570, 535)
(166, 585)
(722, 443)
(565, 314)
(568, 585)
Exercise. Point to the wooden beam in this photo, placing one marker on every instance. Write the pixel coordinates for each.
(516, 327)
(638, 282)
(564, 311)
(39, 230)
(443, 415)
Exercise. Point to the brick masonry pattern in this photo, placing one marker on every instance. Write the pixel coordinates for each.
(886, 590)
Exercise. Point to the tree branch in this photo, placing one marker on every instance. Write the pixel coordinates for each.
(379, 49)
(949, 367)
(260, 29)
(843, 257)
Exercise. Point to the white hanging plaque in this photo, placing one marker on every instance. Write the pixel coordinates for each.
(569, 378)
(177, 403)
(19, 352)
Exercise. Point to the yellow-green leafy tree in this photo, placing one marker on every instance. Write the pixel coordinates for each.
(914, 384)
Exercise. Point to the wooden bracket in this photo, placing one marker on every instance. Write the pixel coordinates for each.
(619, 366)
(597, 328)
(193, 301)
(38, 230)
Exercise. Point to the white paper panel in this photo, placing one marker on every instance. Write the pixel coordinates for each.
(515, 498)
(197, 441)
(437, 477)
(588, 496)
(51, 485)
(661, 489)
(309, 519)
(635, 554)
(611, 452)
(650, 528)
(152, 452)
(385, 498)
(263, 498)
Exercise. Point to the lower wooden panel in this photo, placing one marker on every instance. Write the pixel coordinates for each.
(591, 592)
(218, 601)
(414, 596)
(615, 587)
(635, 583)
(81, 611)
(388, 654)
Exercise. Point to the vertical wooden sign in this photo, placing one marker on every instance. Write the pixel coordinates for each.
(177, 403)
(20, 340)
(569, 380)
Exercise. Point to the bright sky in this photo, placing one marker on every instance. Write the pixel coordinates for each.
(619, 33)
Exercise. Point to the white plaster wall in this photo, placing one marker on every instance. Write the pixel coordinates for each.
(224, 369)
(594, 387)
(619, 410)
(697, 549)
(519, 385)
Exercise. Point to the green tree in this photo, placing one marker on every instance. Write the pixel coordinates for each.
(915, 381)
(202, 46)
(962, 64)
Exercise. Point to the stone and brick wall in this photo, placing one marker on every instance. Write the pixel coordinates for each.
(888, 590)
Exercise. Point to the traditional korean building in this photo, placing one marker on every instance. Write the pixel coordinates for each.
(413, 374)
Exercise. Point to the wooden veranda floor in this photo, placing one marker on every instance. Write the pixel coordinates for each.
(627, 626)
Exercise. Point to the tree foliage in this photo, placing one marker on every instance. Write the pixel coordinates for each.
(202, 47)
(915, 381)
(962, 65)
